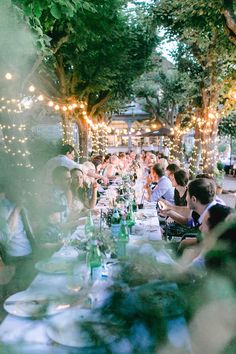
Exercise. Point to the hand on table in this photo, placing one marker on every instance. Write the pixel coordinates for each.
(165, 204)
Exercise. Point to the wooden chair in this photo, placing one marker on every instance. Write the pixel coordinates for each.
(28, 229)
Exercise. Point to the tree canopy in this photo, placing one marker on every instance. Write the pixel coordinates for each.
(90, 49)
(200, 27)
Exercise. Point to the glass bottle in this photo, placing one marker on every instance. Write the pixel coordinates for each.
(130, 217)
(89, 225)
(122, 240)
(134, 205)
(115, 223)
(95, 261)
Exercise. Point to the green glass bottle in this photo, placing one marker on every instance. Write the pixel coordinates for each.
(134, 205)
(89, 225)
(130, 218)
(122, 240)
(95, 261)
(115, 223)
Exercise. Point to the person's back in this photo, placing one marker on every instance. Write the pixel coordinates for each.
(65, 159)
(12, 232)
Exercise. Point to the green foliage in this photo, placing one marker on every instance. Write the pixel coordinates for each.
(228, 125)
(166, 89)
(94, 49)
(200, 26)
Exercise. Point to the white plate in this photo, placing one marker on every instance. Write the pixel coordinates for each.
(34, 304)
(67, 252)
(55, 265)
(67, 328)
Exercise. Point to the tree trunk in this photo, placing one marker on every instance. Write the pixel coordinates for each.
(83, 137)
(209, 140)
(209, 129)
(194, 162)
(66, 138)
(177, 147)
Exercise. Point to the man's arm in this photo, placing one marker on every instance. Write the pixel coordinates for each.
(180, 219)
(183, 210)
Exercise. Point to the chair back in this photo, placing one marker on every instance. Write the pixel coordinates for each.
(28, 228)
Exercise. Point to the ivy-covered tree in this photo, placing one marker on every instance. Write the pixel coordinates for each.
(89, 51)
(200, 25)
(227, 126)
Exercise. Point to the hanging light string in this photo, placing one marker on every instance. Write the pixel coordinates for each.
(14, 143)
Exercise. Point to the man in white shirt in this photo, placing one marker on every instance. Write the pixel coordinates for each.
(65, 159)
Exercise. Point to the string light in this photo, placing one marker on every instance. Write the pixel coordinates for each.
(40, 98)
(31, 88)
(8, 76)
(14, 143)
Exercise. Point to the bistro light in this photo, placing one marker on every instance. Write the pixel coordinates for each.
(8, 76)
(50, 104)
(40, 98)
(31, 88)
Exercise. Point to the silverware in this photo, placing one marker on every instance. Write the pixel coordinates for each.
(33, 302)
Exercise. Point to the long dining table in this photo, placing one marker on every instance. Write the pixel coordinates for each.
(28, 334)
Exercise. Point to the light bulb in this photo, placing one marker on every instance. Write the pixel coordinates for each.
(40, 98)
(8, 76)
(31, 88)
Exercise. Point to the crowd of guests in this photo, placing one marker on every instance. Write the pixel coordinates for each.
(69, 189)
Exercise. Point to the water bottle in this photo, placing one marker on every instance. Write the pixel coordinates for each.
(95, 261)
(115, 223)
(122, 240)
(89, 225)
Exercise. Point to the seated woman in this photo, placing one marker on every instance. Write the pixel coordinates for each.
(16, 248)
(112, 168)
(84, 192)
(123, 163)
(179, 182)
(102, 166)
(13, 235)
(51, 231)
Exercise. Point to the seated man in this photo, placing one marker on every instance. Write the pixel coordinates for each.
(163, 189)
(200, 197)
(65, 159)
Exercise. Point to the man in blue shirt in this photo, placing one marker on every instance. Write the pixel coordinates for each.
(163, 189)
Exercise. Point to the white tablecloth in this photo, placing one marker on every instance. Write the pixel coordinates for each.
(30, 334)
